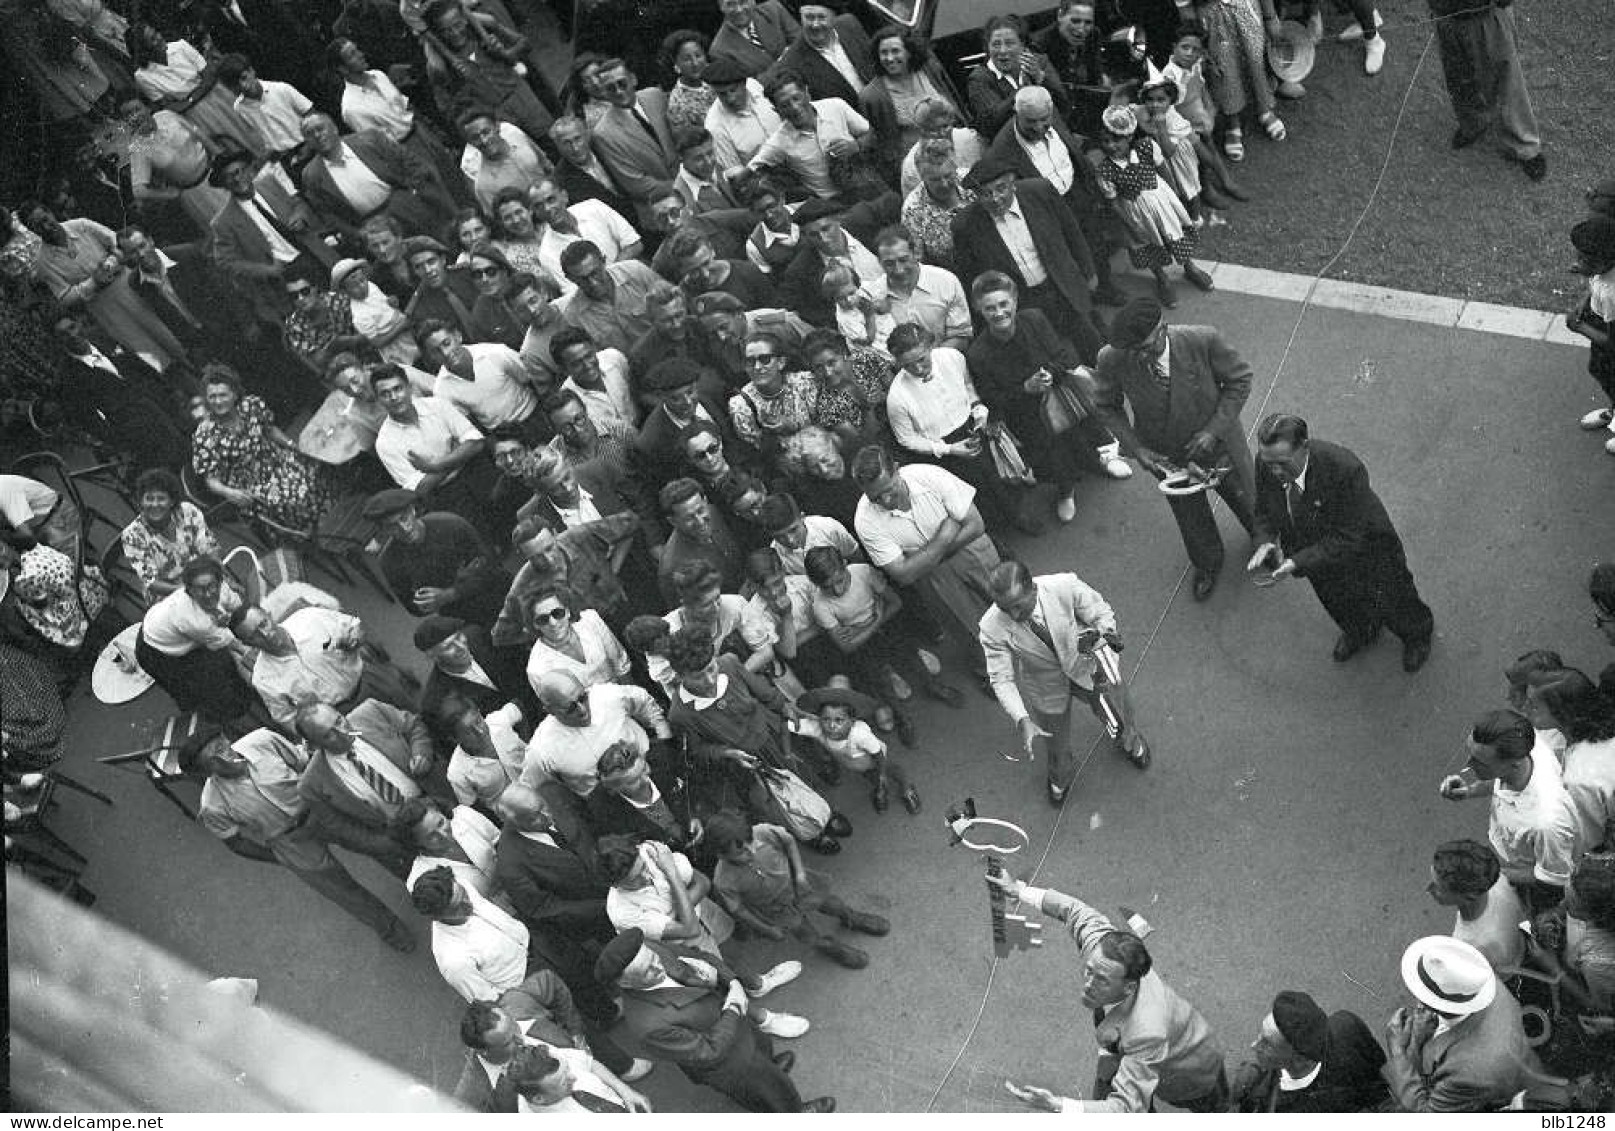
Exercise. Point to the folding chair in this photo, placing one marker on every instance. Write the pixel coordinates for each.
(160, 761)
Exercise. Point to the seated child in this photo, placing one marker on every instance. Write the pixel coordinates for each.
(761, 880)
(858, 318)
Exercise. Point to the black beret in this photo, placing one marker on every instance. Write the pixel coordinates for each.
(989, 169)
(817, 209)
(1303, 1023)
(1595, 237)
(435, 629)
(675, 373)
(722, 71)
(1134, 322)
(385, 504)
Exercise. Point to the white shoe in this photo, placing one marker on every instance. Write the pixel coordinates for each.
(1315, 25)
(1354, 30)
(775, 978)
(1609, 445)
(1291, 90)
(929, 661)
(782, 1025)
(1598, 418)
(638, 1070)
(1373, 55)
(1066, 509)
(1118, 468)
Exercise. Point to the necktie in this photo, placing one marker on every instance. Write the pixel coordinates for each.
(1041, 631)
(755, 36)
(385, 789)
(591, 1102)
(644, 122)
(1159, 372)
(1292, 498)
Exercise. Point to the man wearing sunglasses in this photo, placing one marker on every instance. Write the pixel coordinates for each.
(585, 722)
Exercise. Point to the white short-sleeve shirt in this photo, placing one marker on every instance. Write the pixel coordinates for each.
(935, 494)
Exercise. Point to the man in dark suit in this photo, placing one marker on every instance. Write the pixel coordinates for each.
(398, 182)
(578, 169)
(1186, 386)
(754, 35)
(363, 767)
(638, 800)
(700, 1023)
(1317, 518)
(539, 1011)
(1038, 144)
(832, 53)
(545, 862)
(466, 663)
(680, 403)
(1025, 230)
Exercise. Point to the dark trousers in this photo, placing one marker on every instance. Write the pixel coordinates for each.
(308, 858)
(1080, 327)
(1199, 526)
(756, 1083)
(1378, 594)
(202, 680)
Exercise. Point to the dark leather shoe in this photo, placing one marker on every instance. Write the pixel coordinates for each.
(838, 825)
(1204, 582)
(1057, 795)
(943, 692)
(786, 1060)
(1414, 655)
(398, 937)
(824, 1104)
(1139, 755)
(1463, 139)
(1346, 647)
(825, 845)
(1536, 167)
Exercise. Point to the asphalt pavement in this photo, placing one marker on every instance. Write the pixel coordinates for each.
(1280, 840)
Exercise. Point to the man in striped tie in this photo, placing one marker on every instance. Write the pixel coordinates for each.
(363, 766)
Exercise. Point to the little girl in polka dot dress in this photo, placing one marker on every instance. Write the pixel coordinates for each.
(1131, 176)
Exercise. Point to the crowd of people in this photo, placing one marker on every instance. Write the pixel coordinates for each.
(683, 423)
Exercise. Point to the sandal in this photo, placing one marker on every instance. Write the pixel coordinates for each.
(1271, 123)
(1233, 144)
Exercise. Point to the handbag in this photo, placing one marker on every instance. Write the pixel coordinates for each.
(803, 811)
(1008, 463)
(1067, 402)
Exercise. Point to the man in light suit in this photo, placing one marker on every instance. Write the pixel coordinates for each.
(754, 35)
(1040, 637)
(632, 138)
(688, 1007)
(1463, 1046)
(1186, 386)
(1025, 230)
(363, 766)
(1153, 1045)
(831, 52)
(1317, 518)
(349, 179)
(537, 1012)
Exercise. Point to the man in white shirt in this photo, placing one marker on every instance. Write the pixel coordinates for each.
(741, 118)
(488, 752)
(1532, 828)
(424, 442)
(566, 223)
(1034, 133)
(275, 108)
(484, 380)
(315, 654)
(920, 524)
(599, 377)
(811, 132)
(793, 534)
(355, 177)
(911, 291)
(507, 159)
(480, 949)
(583, 724)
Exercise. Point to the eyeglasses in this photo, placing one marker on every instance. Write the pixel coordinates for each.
(758, 359)
(705, 453)
(299, 292)
(555, 615)
(487, 272)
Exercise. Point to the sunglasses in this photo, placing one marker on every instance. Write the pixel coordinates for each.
(705, 453)
(761, 358)
(554, 615)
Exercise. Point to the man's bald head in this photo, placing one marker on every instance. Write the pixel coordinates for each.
(563, 695)
(523, 807)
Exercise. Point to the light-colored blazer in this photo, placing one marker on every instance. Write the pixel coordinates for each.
(640, 166)
(1477, 1065)
(1023, 672)
(394, 732)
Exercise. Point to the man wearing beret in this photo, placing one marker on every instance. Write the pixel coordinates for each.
(436, 562)
(1024, 229)
(679, 403)
(753, 36)
(445, 293)
(688, 1007)
(1318, 518)
(1304, 1060)
(1186, 386)
(824, 242)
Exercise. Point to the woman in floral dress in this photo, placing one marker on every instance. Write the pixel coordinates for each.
(247, 460)
(166, 533)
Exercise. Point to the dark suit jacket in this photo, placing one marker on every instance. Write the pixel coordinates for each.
(579, 185)
(241, 252)
(660, 453)
(557, 892)
(823, 80)
(396, 733)
(688, 1024)
(992, 99)
(978, 247)
(776, 27)
(609, 815)
(401, 168)
(1339, 527)
(1210, 383)
(543, 1000)
(1084, 197)
(506, 667)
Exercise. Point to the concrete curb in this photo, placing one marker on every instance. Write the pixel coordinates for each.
(1408, 306)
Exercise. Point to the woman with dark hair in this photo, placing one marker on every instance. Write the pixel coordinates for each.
(1010, 65)
(494, 318)
(580, 95)
(907, 77)
(516, 233)
(166, 534)
(468, 228)
(186, 645)
(572, 639)
(684, 53)
(1586, 716)
(246, 459)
